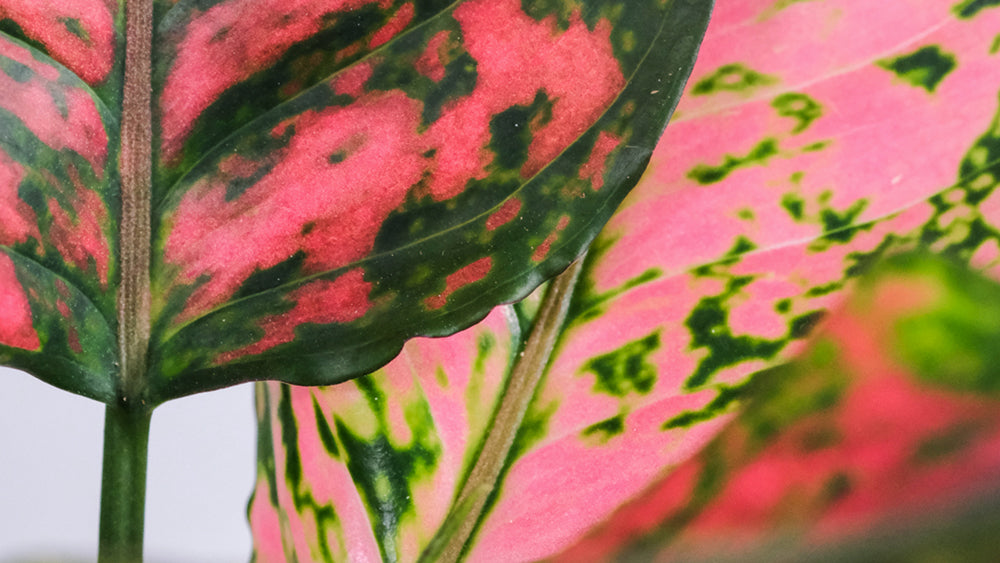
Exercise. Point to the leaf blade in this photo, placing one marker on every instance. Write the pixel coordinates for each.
(51, 330)
(839, 427)
(376, 273)
(59, 211)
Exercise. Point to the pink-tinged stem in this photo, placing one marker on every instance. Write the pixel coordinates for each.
(450, 544)
(135, 165)
(123, 486)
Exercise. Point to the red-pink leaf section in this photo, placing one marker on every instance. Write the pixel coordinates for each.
(851, 436)
(18, 222)
(463, 277)
(384, 154)
(227, 240)
(230, 41)
(59, 207)
(80, 34)
(814, 138)
(60, 117)
(396, 442)
(15, 314)
(342, 300)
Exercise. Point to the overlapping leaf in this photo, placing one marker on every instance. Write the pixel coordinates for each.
(58, 201)
(85, 36)
(329, 177)
(890, 420)
(378, 459)
(474, 151)
(808, 146)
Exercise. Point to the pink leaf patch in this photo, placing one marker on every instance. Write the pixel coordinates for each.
(234, 39)
(518, 57)
(78, 33)
(342, 300)
(328, 208)
(593, 169)
(18, 222)
(507, 213)
(15, 313)
(80, 238)
(468, 275)
(62, 117)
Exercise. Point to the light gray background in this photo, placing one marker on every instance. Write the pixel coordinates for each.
(201, 472)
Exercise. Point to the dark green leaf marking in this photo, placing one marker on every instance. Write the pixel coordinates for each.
(824, 289)
(732, 78)
(627, 369)
(924, 68)
(821, 437)
(725, 401)
(606, 429)
(290, 438)
(969, 8)
(512, 130)
(708, 324)
(324, 431)
(938, 447)
(266, 464)
(837, 486)
(534, 427)
(836, 224)
(73, 26)
(302, 498)
(19, 72)
(384, 472)
(794, 204)
(801, 107)
(781, 396)
(802, 325)
(588, 303)
(484, 346)
(759, 155)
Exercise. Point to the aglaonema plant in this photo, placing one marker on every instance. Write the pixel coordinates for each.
(201, 193)
(814, 139)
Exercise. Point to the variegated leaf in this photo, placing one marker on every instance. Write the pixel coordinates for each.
(49, 328)
(58, 212)
(376, 461)
(85, 36)
(890, 419)
(474, 150)
(796, 160)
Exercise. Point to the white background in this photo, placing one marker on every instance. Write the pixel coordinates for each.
(202, 463)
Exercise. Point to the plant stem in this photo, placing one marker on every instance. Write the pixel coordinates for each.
(123, 484)
(524, 378)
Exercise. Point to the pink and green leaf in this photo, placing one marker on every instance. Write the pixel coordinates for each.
(382, 203)
(891, 418)
(224, 63)
(368, 469)
(85, 36)
(59, 211)
(49, 328)
(797, 159)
